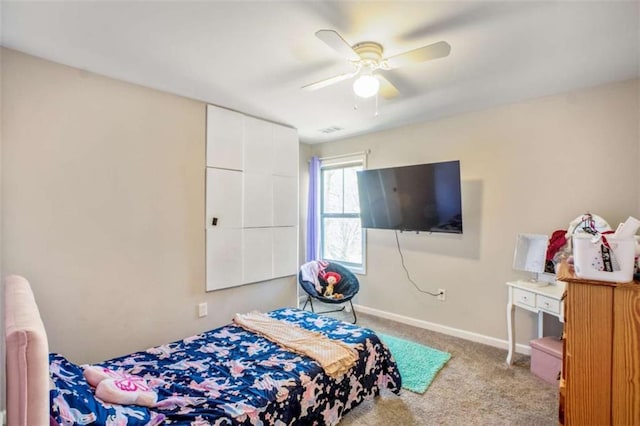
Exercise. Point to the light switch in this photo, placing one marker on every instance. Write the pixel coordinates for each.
(202, 310)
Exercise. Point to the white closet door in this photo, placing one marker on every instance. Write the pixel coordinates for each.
(257, 200)
(225, 135)
(285, 150)
(224, 258)
(285, 201)
(224, 198)
(285, 251)
(258, 146)
(257, 254)
(252, 190)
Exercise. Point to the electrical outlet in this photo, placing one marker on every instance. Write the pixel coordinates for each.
(442, 294)
(202, 310)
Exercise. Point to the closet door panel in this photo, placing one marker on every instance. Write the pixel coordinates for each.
(258, 200)
(285, 149)
(224, 198)
(285, 251)
(258, 146)
(257, 254)
(285, 201)
(224, 258)
(225, 135)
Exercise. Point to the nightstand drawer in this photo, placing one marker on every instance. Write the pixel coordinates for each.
(524, 297)
(548, 304)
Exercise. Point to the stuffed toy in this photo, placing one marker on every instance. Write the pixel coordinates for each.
(116, 387)
(331, 278)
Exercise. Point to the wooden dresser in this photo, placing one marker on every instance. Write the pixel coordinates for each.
(600, 383)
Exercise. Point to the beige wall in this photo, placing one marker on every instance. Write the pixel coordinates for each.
(103, 211)
(529, 167)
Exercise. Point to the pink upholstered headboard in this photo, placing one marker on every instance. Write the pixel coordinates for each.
(27, 357)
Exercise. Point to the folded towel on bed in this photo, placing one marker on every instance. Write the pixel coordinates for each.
(335, 357)
(116, 387)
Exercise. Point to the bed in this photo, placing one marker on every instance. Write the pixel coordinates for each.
(225, 376)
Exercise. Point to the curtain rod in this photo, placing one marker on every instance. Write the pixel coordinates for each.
(353, 154)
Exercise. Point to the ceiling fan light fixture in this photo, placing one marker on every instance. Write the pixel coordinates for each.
(366, 58)
(366, 86)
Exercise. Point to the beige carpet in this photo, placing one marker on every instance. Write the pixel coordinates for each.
(475, 387)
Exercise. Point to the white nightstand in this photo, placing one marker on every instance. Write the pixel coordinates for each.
(534, 298)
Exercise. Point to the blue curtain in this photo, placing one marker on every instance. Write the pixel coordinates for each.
(313, 211)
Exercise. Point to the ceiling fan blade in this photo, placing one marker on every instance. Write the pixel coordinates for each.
(387, 89)
(421, 54)
(329, 81)
(337, 43)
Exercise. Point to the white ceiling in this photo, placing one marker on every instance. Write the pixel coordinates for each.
(254, 56)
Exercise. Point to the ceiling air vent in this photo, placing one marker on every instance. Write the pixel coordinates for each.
(331, 129)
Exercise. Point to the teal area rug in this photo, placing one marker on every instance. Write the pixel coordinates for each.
(418, 364)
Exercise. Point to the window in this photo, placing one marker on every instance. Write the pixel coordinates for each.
(341, 236)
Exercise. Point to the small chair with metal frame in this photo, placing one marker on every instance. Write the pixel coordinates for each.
(348, 287)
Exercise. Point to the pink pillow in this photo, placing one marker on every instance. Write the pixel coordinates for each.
(116, 387)
(27, 357)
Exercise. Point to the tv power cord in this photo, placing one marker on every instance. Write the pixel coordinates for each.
(407, 271)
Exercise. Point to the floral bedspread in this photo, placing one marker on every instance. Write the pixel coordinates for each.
(229, 376)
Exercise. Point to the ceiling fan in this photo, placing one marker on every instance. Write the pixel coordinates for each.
(366, 58)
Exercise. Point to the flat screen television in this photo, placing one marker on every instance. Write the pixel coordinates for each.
(423, 197)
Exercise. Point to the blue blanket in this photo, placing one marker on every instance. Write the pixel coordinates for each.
(229, 376)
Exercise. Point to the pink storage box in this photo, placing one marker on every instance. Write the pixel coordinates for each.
(546, 358)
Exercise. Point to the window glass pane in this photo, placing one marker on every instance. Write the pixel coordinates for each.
(342, 239)
(351, 202)
(332, 190)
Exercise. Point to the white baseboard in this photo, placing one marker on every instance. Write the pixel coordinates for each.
(450, 331)
(3, 415)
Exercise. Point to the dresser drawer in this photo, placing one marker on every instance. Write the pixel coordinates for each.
(548, 304)
(524, 297)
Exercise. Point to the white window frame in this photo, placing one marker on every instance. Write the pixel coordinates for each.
(342, 162)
